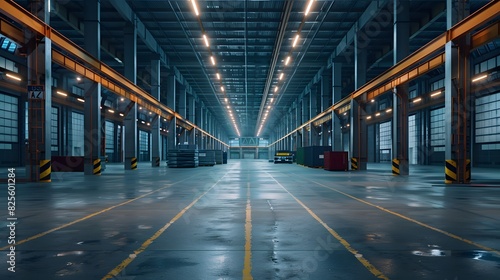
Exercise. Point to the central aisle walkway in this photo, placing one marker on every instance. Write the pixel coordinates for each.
(252, 220)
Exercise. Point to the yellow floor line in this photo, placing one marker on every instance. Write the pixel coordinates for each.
(115, 271)
(413, 220)
(377, 273)
(247, 269)
(89, 216)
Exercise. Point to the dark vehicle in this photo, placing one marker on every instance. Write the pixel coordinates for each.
(283, 157)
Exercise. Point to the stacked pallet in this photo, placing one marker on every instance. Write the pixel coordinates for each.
(206, 158)
(184, 156)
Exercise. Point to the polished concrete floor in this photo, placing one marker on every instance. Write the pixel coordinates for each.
(254, 220)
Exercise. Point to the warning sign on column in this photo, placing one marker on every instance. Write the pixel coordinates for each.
(36, 92)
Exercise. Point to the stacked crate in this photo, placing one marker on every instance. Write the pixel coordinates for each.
(183, 156)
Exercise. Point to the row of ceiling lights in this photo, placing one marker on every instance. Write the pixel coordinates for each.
(218, 75)
(280, 77)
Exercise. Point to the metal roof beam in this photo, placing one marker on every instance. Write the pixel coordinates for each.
(126, 12)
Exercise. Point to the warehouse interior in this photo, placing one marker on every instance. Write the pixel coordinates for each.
(98, 95)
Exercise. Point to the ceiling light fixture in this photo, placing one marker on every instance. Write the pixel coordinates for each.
(480, 78)
(309, 7)
(213, 60)
(287, 60)
(62, 93)
(275, 89)
(377, 114)
(416, 100)
(206, 40)
(218, 76)
(122, 115)
(436, 93)
(80, 99)
(388, 110)
(281, 76)
(222, 89)
(295, 40)
(195, 8)
(369, 117)
(111, 111)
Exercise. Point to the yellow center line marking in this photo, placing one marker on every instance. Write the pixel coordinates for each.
(90, 216)
(413, 220)
(115, 271)
(247, 269)
(377, 273)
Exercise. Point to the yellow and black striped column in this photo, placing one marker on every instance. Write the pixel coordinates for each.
(395, 166)
(97, 167)
(45, 170)
(467, 171)
(133, 163)
(354, 163)
(450, 171)
(156, 161)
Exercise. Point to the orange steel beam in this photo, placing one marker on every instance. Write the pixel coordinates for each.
(464, 27)
(12, 31)
(486, 35)
(134, 93)
(406, 77)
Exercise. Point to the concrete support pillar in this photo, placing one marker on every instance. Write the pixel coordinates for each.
(457, 100)
(156, 149)
(336, 132)
(40, 100)
(92, 112)
(172, 125)
(400, 161)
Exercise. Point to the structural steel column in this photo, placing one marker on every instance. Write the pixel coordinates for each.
(298, 120)
(182, 95)
(191, 117)
(400, 163)
(198, 121)
(336, 132)
(313, 111)
(358, 133)
(130, 72)
(92, 112)
(358, 142)
(326, 91)
(172, 125)
(305, 118)
(457, 100)
(209, 130)
(156, 149)
(40, 105)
